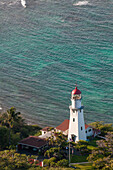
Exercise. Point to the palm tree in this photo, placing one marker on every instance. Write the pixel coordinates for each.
(9, 118)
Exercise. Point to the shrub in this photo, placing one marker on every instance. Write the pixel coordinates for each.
(49, 162)
(46, 162)
(52, 164)
(82, 142)
(62, 163)
(53, 159)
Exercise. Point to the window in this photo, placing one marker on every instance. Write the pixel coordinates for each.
(89, 130)
(81, 127)
(73, 119)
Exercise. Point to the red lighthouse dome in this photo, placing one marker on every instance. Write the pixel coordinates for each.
(76, 91)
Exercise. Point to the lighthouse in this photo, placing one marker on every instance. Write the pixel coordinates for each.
(76, 124)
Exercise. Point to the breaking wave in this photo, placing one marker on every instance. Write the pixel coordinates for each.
(81, 3)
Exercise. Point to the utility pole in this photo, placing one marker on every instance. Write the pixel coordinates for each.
(69, 140)
(69, 153)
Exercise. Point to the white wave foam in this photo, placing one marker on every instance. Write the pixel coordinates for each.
(81, 3)
(23, 2)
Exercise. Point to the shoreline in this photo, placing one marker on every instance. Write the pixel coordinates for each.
(32, 121)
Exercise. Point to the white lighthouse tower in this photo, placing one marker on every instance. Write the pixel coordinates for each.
(76, 124)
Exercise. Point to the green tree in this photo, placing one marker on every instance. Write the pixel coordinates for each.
(15, 138)
(9, 118)
(102, 156)
(103, 127)
(49, 162)
(62, 163)
(4, 132)
(97, 124)
(51, 151)
(82, 147)
(11, 160)
(57, 139)
(61, 140)
(46, 162)
(13, 128)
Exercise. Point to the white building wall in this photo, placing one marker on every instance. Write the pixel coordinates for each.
(75, 127)
(81, 126)
(64, 132)
(76, 104)
(42, 132)
(89, 131)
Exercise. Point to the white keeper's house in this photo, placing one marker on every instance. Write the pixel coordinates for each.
(75, 128)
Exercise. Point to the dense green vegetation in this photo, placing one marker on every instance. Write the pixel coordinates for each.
(103, 127)
(102, 155)
(56, 154)
(53, 163)
(78, 158)
(13, 128)
(11, 160)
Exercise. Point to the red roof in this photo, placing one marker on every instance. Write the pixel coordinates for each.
(33, 141)
(76, 91)
(64, 125)
(86, 126)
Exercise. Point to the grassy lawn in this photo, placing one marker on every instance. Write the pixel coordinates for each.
(77, 158)
(87, 166)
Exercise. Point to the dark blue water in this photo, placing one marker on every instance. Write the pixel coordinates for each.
(48, 47)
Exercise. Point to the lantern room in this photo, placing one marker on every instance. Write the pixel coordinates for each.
(76, 98)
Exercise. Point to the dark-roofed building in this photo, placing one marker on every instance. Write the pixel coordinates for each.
(33, 143)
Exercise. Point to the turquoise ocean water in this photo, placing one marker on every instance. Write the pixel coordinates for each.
(48, 47)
